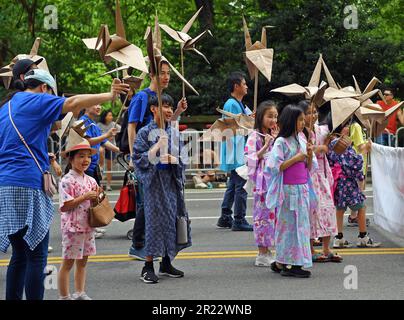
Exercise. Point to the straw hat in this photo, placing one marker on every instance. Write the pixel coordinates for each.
(76, 142)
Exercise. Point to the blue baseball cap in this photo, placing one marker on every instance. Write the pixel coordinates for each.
(43, 76)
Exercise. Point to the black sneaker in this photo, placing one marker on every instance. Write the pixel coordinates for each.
(224, 223)
(241, 225)
(170, 271)
(275, 268)
(295, 271)
(148, 276)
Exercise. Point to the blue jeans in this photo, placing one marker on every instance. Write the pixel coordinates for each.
(235, 194)
(26, 268)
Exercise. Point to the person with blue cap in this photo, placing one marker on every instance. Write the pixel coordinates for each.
(26, 211)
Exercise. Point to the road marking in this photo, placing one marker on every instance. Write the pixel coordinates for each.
(222, 255)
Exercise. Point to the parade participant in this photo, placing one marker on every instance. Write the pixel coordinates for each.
(140, 116)
(258, 146)
(162, 176)
(106, 123)
(76, 190)
(395, 120)
(347, 171)
(362, 148)
(323, 222)
(232, 157)
(25, 209)
(291, 194)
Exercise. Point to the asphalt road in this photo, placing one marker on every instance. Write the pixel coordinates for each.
(220, 264)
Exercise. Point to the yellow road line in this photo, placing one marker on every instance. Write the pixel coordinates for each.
(223, 255)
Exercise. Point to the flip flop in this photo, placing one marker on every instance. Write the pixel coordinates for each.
(319, 257)
(334, 257)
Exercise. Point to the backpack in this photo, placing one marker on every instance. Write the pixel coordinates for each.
(122, 140)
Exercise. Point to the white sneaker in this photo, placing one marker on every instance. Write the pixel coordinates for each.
(199, 184)
(80, 296)
(69, 297)
(101, 230)
(263, 260)
(341, 243)
(98, 235)
(50, 249)
(367, 242)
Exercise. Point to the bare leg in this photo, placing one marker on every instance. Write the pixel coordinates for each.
(326, 245)
(109, 168)
(64, 277)
(80, 274)
(362, 219)
(263, 250)
(340, 220)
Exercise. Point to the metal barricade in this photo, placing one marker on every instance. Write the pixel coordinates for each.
(397, 137)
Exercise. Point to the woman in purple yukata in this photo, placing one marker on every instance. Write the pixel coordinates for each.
(291, 194)
(257, 148)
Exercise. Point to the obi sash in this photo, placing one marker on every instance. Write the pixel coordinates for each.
(296, 174)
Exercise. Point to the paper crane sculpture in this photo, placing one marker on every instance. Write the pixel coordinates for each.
(155, 57)
(236, 124)
(258, 58)
(6, 72)
(116, 46)
(187, 43)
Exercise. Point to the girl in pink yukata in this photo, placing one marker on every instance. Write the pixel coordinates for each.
(291, 194)
(257, 148)
(76, 189)
(323, 221)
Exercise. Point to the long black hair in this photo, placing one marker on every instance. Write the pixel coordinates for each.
(304, 106)
(259, 117)
(19, 86)
(288, 121)
(104, 115)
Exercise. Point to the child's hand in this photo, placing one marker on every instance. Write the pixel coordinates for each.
(268, 140)
(182, 105)
(168, 158)
(163, 141)
(310, 149)
(91, 195)
(300, 157)
(275, 131)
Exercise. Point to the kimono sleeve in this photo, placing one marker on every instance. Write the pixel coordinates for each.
(251, 155)
(276, 156)
(66, 191)
(141, 150)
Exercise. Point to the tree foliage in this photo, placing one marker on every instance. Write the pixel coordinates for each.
(303, 29)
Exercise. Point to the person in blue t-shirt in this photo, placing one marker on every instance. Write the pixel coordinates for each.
(96, 138)
(25, 209)
(140, 116)
(232, 157)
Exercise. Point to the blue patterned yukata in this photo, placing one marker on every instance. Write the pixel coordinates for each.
(163, 192)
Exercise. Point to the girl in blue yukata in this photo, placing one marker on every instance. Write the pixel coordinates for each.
(291, 194)
(162, 176)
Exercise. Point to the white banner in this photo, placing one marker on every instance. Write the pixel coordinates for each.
(388, 188)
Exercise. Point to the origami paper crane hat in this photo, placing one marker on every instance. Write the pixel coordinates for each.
(77, 142)
(116, 46)
(6, 72)
(257, 55)
(187, 42)
(153, 41)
